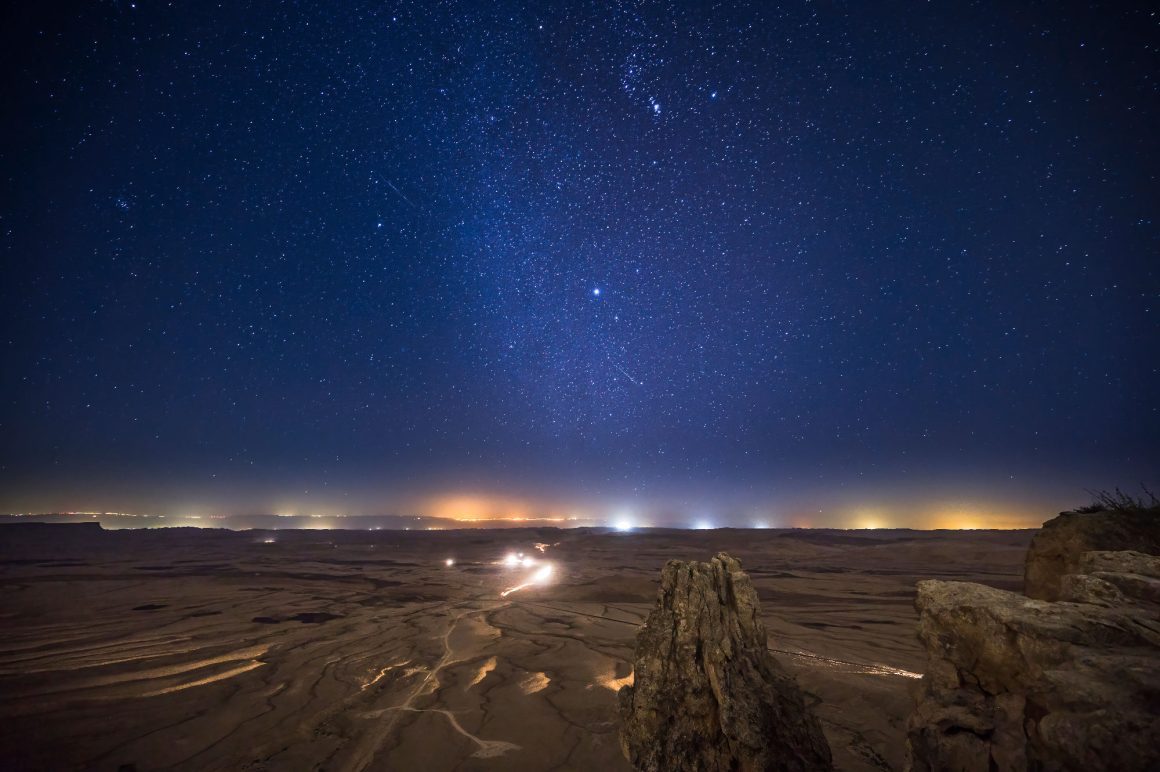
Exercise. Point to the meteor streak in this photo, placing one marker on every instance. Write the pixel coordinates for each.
(626, 375)
(392, 186)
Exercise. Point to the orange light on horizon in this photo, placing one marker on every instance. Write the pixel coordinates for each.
(469, 508)
(870, 518)
(959, 517)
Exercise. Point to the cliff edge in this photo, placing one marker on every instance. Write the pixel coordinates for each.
(1018, 683)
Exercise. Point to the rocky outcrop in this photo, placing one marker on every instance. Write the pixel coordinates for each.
(1015, 683)
(708, 694)
(1056, 550)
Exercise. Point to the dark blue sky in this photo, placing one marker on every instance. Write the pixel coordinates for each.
(670, 256)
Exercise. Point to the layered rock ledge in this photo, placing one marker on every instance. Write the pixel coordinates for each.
(708, 694)
(1058, 547)
(1017, 683)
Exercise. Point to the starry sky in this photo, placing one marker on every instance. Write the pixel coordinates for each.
(683, 260)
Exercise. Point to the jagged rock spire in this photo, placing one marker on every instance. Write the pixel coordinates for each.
(708, 694)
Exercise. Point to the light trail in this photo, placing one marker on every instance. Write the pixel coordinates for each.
(540, 577)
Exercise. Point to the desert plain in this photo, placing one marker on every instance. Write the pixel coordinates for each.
(187, 649)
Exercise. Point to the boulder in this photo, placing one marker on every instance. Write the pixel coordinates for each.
(707, 693)
(1056, 549)
(1016, 683)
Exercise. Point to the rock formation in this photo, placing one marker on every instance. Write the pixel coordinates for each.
(708, 694)
(1056, 550)
(1015, 683)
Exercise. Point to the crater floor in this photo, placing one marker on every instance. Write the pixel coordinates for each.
(351, 650)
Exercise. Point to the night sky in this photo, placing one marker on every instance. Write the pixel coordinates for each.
(839, 261)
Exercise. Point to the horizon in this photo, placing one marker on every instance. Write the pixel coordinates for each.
(837, 509)
(618, 520)
(110, 521)
(847, 509)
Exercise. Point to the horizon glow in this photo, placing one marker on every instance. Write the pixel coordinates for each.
(937, 515)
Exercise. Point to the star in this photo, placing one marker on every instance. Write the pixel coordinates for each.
(398, 231)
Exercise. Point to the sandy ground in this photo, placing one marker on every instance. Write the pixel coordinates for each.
(344, 650)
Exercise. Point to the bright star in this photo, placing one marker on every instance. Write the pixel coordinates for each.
(596, 291)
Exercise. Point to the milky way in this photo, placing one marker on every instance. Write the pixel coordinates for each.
(650, 253)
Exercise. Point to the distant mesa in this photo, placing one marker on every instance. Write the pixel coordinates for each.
(272, 524)
(707, 693)
(12, 526)
(15, 531)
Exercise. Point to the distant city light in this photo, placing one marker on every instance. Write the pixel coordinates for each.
(449, 562)
(761, 524)
(702, 525)
(623, 524)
